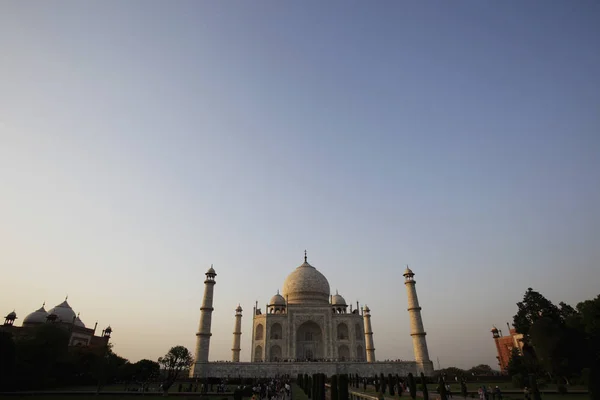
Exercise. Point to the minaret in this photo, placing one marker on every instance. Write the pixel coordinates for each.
(203, 335)
(237, 335)
(368, 335)
(416, 325)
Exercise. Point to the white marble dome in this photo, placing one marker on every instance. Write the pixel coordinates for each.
(63, 312)
(306, 285)
(277, 300)
(338, 300)
(37, 317)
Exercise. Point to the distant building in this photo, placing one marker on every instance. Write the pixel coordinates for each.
(307, 329)
(61, 315)
(505, 346)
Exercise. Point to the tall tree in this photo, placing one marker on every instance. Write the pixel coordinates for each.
(176, 360)
(8, 361)
(412, 386)
(481, 369)
(533, 307)
(424, 387)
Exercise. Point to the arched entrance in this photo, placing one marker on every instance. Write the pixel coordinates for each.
(360, 353)
(343, 353)
(309, 341)
(258, 353)
(276, 331)
(275, 353)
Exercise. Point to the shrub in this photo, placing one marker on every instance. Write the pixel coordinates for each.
(518, 381)
(343, 387)
(334, 387)
(412, 386)
(424, 387)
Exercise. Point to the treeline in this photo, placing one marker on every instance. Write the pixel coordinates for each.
(44, 360)
(561, 344)
(340, 385)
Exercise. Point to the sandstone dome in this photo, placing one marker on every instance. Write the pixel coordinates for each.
(37, 317)
(63, 312)
(306, 285)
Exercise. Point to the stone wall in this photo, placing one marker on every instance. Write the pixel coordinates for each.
(271, 369)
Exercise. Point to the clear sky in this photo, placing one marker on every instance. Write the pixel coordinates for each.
(143, 141)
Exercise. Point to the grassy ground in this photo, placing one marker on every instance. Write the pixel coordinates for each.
(103, 397)
(298, 393)
(122, 387)
(504, 386)
(473, 386)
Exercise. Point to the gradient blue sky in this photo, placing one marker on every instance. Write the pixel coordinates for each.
(141, 141)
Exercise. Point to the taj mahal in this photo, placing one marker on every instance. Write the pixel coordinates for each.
(306, 329)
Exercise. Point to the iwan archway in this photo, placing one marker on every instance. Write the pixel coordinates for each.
(309, 341)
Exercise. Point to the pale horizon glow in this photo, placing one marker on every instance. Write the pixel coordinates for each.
(143, 141)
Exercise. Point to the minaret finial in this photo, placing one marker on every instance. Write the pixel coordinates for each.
(277, 291)
(305, 256)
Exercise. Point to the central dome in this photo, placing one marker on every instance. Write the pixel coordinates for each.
(306, 285)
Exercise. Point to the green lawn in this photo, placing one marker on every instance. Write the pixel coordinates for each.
(298, 393)
(105, 397)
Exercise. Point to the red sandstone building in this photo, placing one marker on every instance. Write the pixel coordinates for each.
(505, 346)
(63, 316)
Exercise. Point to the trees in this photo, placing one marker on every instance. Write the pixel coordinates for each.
(481, 369)
(343, 387)
(334, 387)
(424, 387)
(559, 342)
(412, 386)
(8, 361)
(534, 307)
(146, 370)
(442, 389)
(177, 359)
(463, 388)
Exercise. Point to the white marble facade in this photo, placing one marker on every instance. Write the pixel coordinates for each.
(307, 326)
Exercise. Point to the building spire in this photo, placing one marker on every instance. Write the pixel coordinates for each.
(305, 258)
(66, 297)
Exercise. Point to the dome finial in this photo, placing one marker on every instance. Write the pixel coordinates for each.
(66, 297)
(305, 258)
(44, 304)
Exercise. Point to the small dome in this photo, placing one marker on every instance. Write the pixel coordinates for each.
(64, 312)
(367, 309)
(277, 300)
(11, 315)
(37, 317)
(494, 330)
(408, 271)
(211, 271)
(338, 300)
(239, 308)
(108, 329)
